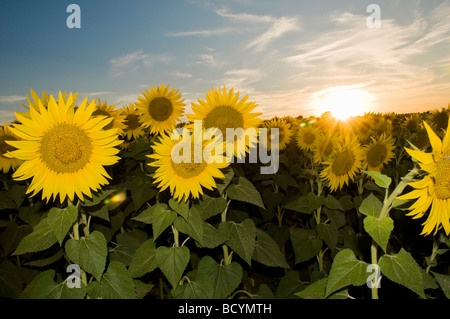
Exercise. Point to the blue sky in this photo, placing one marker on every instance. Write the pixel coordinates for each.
(286, 55)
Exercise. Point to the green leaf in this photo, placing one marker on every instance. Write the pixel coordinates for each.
(41, 238)
(144, 260)
(116, 283)
(200, 288)
(89, 253)
(305, 204)
(225, 278)
(380, 179)
(191, 225)
(211, 206)
(346, 270)
(61, 220)
(444, 283)
(371, 206)
(172, 261)
(142, 190)
(241, 237)
(223, 183)
(332, 203)
(97, 198)
(379, 229)
(43, 287)
(329, 233)
(289, 285)
(142, 288)
(403, 269)
(267, 251)
(162, 219)
(245, 191)
(305, 243)
(315, 290)
(147, 215)
(182, 208)
(212, 237)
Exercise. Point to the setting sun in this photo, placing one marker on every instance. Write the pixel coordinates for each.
(344, 102)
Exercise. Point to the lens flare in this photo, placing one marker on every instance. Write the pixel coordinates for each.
(116, 198)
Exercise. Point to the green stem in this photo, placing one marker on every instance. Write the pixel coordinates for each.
(374, 257)
(176, 236)
(387, 206)
(433, 254)
(226, 255)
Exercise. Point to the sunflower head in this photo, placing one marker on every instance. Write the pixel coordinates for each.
(160, 108)
(284, 133)
(343, 165)
(434, 189)
(133, 126)
(326, 144)
(182, 169)
(378, 153)
(439, 120)
(224, 110)
(307, 137)
(7, 163)
(64, 151)
(118, 116)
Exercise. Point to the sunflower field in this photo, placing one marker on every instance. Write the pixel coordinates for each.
(93, 204)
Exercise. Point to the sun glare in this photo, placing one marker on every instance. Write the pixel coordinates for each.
(344, 103)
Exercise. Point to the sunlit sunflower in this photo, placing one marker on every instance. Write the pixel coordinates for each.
(438, 120)
(343, 164)
(160, 108)
(7, 163)
(284, 133)
(434, 189)
(420, 139)
(133, 127)
(412, 122)
(325, 146)
(36, 99)
(224, 110)
(186, 177)
(64, 151)
(378, 153)
(307, 137)
(364, 128)
(118, 116)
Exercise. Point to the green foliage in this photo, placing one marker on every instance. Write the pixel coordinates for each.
(284, 236)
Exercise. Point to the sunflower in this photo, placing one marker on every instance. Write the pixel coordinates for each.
(186, 177)
(118, 117)
(364, 128)
(325, 146)
(7, 163)
(343, 164)
(284, 133)
(64, 150)
(439, 119)
(413, 122)
(224, 110)
(433, 190)
(307, 137)
(378, 153)
(45, 98)
(133, 127)
(160, 109)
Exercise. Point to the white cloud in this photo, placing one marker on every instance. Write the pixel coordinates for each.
(12, 98)
(201, 32)
(6, 116)
(133, 61)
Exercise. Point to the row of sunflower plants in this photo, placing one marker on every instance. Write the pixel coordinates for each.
(94, 204)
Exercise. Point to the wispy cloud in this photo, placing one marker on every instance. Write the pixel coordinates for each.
(390, 59)
(133, 61)
(274, 27)
(12, 98)
(6, 116)
(201, 32)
